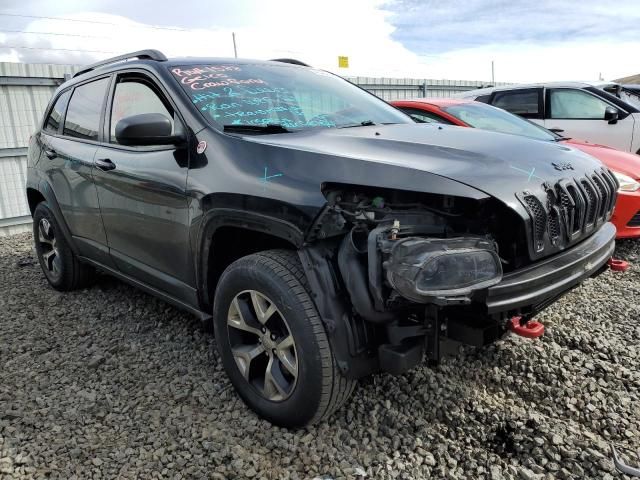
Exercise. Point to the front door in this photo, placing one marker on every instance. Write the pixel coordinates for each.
(142, 193)
(580, 115)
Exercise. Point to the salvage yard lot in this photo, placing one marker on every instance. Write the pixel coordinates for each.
(110, 382)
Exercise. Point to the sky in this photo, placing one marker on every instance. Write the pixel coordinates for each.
(527, 41)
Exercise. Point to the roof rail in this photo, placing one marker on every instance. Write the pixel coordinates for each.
(141, 54)
(292, 61)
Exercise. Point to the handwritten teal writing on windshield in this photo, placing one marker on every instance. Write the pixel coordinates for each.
(285, 122)
(293, 109)
(225, 92)
(247, 95)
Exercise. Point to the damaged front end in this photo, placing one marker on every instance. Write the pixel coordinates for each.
(395, 274)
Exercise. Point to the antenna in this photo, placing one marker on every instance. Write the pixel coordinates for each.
(235, 48)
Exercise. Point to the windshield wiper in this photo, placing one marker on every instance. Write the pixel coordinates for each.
(268, 128)
(366, 123)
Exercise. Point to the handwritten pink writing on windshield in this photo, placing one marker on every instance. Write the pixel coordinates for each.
(213, 76)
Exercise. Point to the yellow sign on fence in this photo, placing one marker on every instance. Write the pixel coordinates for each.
(343, 62)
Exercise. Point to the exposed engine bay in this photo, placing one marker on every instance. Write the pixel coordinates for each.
(399, 258)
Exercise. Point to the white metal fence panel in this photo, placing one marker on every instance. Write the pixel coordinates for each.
(25, 90)
(407, 88)
(13, 203)
(21, 107)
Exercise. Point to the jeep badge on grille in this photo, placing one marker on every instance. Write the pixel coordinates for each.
(562, 166)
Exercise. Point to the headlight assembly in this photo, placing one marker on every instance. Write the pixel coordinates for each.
(627, 184)
(421, 269)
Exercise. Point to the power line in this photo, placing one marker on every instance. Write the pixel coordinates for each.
(16, 47)
(52, 33)
(62, 19)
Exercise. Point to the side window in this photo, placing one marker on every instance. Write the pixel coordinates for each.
(134, 97)
(483, 98)
(525, 103)
(85, 106)
(575, 104)
(52, 124)
(422, 116)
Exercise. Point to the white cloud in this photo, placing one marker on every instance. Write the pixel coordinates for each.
(357, 29)
(317, 33)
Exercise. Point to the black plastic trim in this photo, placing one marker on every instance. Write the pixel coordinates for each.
(553, 276)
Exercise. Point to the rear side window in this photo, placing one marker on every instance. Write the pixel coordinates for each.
(85, 106)
(483, 98)
(134, 97)
(525, 103)
(52, 124)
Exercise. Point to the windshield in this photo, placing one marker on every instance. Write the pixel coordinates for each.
(486, 117)
(292, 97)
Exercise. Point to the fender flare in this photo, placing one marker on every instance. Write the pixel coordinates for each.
(228, 217)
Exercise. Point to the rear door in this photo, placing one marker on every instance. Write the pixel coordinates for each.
(70, 139)
(142, 192)
(580, 115)
(526, 102)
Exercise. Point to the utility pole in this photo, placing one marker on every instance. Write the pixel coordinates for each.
(493, 77)
(235, 49)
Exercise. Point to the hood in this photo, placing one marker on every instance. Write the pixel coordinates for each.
(495, 163)
(623, 162)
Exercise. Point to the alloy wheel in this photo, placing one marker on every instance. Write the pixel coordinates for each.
(49, 248)
(262, 345)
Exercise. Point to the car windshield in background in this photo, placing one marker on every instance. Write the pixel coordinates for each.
(486, 117)
(291, 97)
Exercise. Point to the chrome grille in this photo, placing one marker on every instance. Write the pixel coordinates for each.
(571, 209)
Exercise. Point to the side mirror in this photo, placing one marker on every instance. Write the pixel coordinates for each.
(146, 129)
(611, 115)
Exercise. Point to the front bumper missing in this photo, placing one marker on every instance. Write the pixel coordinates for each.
(549, 278)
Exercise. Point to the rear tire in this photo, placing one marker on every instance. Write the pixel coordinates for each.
(261, 304)
(59, 264)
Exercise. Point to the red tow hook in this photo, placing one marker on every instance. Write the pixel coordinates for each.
(618, 265)
(530, 329)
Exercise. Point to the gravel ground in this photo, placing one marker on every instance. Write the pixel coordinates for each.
(109, 382)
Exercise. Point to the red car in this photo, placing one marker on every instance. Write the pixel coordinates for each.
(468, 113)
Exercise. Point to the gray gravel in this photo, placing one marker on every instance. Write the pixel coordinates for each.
(110, 382)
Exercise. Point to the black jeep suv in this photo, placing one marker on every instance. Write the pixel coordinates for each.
(325, 234)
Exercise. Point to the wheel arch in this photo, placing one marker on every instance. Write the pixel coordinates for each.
(44, 193)
(227, 234)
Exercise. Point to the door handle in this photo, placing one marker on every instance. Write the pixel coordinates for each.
(105, 164)
(50, 153)
(556, 130)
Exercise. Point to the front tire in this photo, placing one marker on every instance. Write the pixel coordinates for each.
(272, 342)
(60, 265)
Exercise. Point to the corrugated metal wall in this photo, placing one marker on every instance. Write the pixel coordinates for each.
(26, 89)
(406, 88)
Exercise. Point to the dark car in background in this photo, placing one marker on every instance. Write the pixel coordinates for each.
(325, 234)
